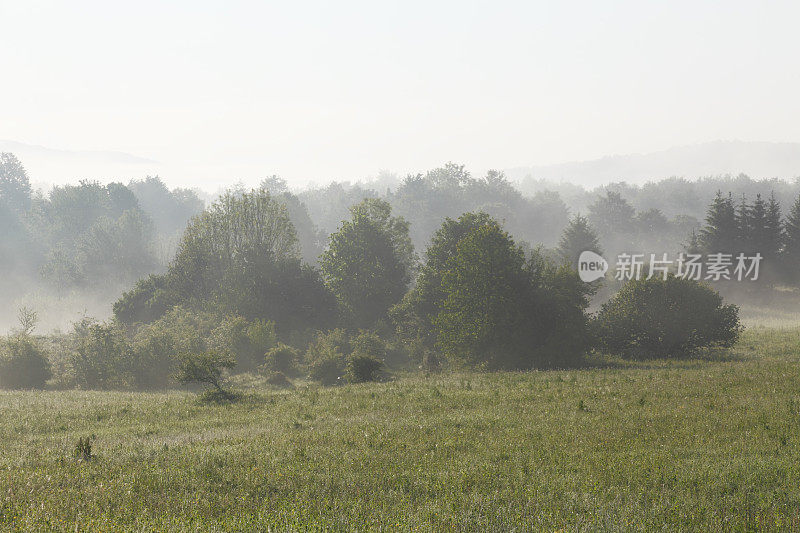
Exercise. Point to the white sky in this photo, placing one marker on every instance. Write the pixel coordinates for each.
(219, 91)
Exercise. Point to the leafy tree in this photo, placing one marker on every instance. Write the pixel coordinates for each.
(310, 239)
(578, 236)
(15, 186)
(240, 257)
(482, 303)
(612, 214)
(170, 210)
(666, 318)
(369, 262)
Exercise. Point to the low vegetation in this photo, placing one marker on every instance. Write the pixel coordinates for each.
(695, 444)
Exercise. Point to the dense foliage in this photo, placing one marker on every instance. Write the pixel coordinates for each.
(326, 284)
(666, 317)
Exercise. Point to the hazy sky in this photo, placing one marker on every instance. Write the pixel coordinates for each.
(218, 91)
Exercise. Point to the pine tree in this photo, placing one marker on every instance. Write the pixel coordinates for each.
(745, 226)
(791, 250)
(773, 230)
(578, 236)
(760, 238)
(721, 231)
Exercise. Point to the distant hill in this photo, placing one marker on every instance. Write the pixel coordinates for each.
(756, 159)
(51, 166)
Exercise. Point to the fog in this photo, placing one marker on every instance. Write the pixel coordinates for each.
(71, 250)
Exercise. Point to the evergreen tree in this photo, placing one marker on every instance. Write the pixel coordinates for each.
(761, 238)
(577, 237)
(774, 234)
(721, 231)
(745, 225)
(791, 250)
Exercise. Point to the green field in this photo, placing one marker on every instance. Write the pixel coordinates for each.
(681, 445)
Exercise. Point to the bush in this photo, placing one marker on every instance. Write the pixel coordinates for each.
(337, 356)
(247, 341)
(369, 344)
(666, 318)
(204, 368)
(362, 368)
(281, 359)
(279, 379)
(102, 359)
(328, 371)
(24, 364)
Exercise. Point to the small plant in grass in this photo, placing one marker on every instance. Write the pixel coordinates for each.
(83, 450)
(204, 368)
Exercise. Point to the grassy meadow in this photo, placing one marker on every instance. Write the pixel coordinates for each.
(702, 444)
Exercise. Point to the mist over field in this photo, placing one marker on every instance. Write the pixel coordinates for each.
(56, 261)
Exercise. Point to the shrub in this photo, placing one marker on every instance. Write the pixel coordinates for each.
(328, 371)
(204, 368)
(24, 364)
(281, 359)
(362, 368)
(102, 359)
(666, 318)
(278, 379)
(336, 356)
(369, 344)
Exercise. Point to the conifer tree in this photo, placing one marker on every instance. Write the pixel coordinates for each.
(578, 237)
(773, 230)
(791, 249)
(760, 239)
(721, 231)
(745, 225)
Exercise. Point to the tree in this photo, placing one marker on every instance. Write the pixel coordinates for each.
(310, 239)
(369, 262)
(721, 232)
(612, 214)
(578, 236)
(103, 358)
(773, 239)
(746, 224)
(23, 362)
(240, 256)
(666, 318)
(15, 186)
(204, 368)
(483, 303)
(791, 250)
(170, 210)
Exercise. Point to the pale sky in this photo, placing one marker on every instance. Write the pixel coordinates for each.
(314, 91)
